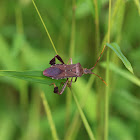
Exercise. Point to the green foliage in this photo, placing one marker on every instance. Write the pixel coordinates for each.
(32, 76)
(25, 52)
(118, 52)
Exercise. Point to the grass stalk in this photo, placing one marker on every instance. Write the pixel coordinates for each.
(44, 26)
(107, 80)
(68, 105)
(49, 115)
(99, 93)
(72, 42)
(97, 30)
(45, 103)
(73, 128)
(72, 50)
(89, 131)
(114, 13)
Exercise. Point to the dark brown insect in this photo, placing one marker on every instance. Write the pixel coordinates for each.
(61, 71)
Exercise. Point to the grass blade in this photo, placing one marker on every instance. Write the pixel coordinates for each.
(44, 26)
(89, 131)
(49, 115)
(123, 73)
(115, 47)
(32, 76)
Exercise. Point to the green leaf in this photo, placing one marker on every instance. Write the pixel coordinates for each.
(122, 72)
(32, 76)
(118, 52)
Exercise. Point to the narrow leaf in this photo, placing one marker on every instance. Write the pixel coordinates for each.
(123, 73)
(86, 124)
(32, 76)
(49, 116)
(118, 52)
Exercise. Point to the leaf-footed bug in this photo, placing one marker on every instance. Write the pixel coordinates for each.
(61, 71)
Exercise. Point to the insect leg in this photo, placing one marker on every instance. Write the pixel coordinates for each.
(63, 88)
(98, 58)
(75, 79)
(70, 82)
(70, 60)
(55, 88)
(52, 62)
(62, 83)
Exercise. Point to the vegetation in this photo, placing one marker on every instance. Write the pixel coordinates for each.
(79, 29)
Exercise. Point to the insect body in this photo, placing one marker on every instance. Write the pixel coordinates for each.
(61, 71)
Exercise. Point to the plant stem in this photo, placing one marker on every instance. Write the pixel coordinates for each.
(89, 131)
(49, 115)
(75, 123)
(45, 103)
(97, 31)
(72, 43)
(107, 80)
(45, 27)
(72, 50)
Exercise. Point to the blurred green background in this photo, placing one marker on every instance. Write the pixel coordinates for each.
(24, 45)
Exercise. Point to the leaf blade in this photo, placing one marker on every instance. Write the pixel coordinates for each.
(31, 76)
(122, 73)
(115, 47)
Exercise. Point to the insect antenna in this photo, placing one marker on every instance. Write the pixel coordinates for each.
(99, 77)
(98, 58)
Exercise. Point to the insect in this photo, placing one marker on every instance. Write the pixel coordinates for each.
(61, 71)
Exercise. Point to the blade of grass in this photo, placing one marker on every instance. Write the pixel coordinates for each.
(118, 52)
(44, 26)
(99, 92)
(97, 30)
(106, 115)
(72, 43)
(123, 73)
(115, 11)
(49, 115)
(68, 108)
(73, 128)
(32, 76)
(72, 50)
(89, 131)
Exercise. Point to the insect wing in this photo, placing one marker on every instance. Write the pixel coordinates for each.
(67, 71)
(52, 72)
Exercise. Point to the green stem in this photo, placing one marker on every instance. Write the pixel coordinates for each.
(97, 31)
(45, 27)
(72, 50)
(74, 125)
(72, 43)
(68, 108)
(49, 115)
(99, 93)
(107, 80)
(89, 131)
